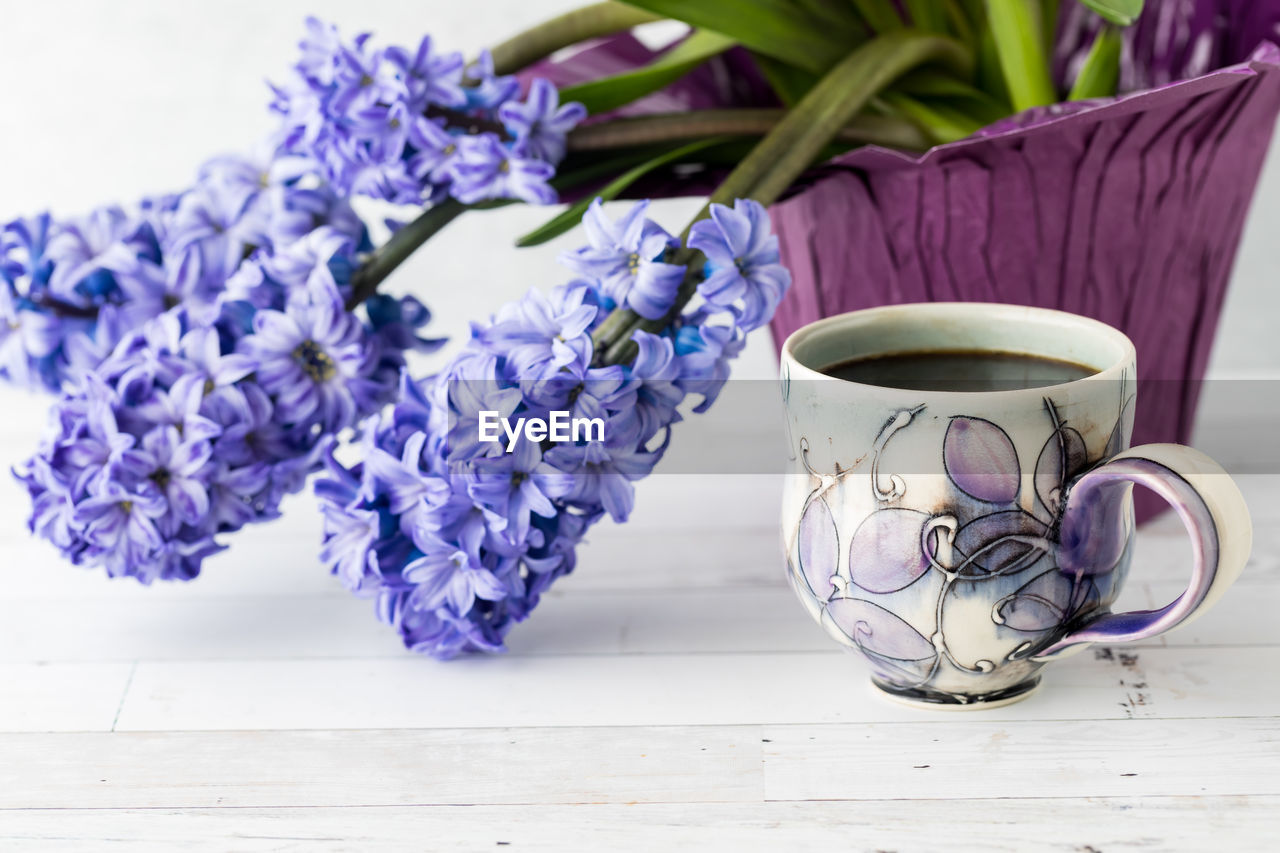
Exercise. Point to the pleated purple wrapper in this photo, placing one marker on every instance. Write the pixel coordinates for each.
(1129, 210)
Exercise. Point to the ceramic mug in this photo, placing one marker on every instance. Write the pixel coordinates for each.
(962, 539)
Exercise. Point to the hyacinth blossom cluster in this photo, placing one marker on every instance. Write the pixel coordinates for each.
(70, 289)
(201, 420)
(415, 126)
(456, 538)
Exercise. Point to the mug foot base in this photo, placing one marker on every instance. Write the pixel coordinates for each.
(934, 700)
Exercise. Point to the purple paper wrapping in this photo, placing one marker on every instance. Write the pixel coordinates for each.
(1129, 210)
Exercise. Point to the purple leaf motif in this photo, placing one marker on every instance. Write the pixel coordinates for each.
(998, 543)
(818, 544)
(1063, 456)
(1094, 531)
(885, 554)
(876, 630)
(1046, 602)
(981, 461)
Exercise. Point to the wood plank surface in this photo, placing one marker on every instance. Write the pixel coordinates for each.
(1056, 825)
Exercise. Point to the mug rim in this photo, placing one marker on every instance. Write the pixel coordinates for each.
(976, 312)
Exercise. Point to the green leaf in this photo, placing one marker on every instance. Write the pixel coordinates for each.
(589, 167)
(960, 23)
(880, 15)
(790, 147)
(1049, 23)
(927, 15)
(942, 122)
(953, 95)
(990, 74)
(835, 13)
(1100, 75)
(928, 81)
(788, 82)
(775, 28)
(599, 19)
(1015, 27)
(567, 220)
(609, 93)
(676, 128)
(1122, 13)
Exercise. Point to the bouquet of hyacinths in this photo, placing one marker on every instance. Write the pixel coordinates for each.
(215, 347)
(70, 289)
(456, 538)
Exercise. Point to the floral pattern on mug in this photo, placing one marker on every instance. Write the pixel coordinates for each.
(986, 535)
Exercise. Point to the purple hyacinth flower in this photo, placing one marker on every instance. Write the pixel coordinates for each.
(626, 258)
(320, 48)
(600, 474)
(95, 446)
(26, 337)
(436, 631)
(431, 77)
(486, 90)
(436, 151)
(364, 170)
(98, 242)
(540, 124)
(306, 264)
(539, 334)
(250, 433)
(364, 78)
(180, 558)
(454, 577)
(203, 351)
(348, 549)
(704, 353)
(178, 470)
(23, 243)
(403, 484)
(659, 392)
(743, 272)
(309, 359)
(516, 486)
(222, 221)
(120, 526)
(589, 392)
(384, 129)
(485, 170)
(180, 406)
(479, 390)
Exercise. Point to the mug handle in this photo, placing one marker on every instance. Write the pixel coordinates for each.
(1202, 494)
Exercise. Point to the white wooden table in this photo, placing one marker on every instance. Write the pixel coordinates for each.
(669, 694)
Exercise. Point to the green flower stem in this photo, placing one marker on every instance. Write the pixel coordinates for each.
(595, 21)
(789, 149)
(677, 127)
(1015, 26)
(394, 252)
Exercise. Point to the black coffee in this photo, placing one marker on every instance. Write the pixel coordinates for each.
(959, 370)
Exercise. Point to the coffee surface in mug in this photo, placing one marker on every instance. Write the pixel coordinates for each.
(959, 370)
